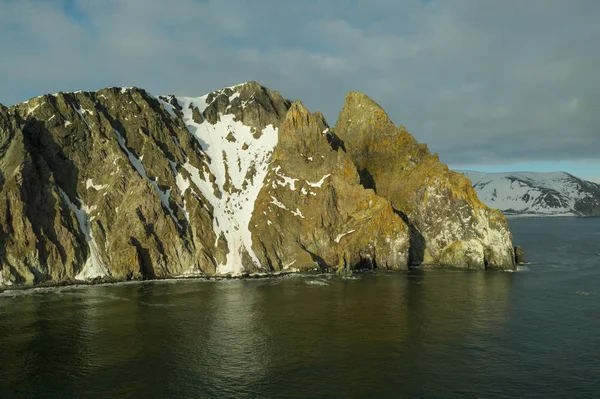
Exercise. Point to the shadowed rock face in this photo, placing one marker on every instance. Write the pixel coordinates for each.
(37, 241)
(449, 225)
(75, 176)
(119, 184)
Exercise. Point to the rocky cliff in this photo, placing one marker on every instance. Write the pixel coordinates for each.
(312, 210)
(448, 223)
(119, 184)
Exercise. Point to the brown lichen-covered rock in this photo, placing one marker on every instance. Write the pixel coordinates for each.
(37, 241)
(91, 186)
(440, 206)
(313, 213)
(87, 149)
(119, 184)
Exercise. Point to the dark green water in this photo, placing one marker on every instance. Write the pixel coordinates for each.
(422, 334)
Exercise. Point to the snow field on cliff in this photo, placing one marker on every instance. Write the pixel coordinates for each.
(93, 267)
(239, 174)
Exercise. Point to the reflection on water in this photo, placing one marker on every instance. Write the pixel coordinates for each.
(237, 352)
(249, 338)
(425, 333)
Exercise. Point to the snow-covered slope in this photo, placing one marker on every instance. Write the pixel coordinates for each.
(536, 193)
(239, 163)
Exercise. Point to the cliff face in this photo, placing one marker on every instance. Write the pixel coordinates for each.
(312, 211)
(449, 225)
(120, 184)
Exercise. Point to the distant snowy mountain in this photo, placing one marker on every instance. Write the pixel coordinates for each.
(537, 194)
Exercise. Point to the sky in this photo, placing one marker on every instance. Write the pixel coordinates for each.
(489, 85)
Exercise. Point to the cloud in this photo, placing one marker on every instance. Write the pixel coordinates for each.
(495, 82)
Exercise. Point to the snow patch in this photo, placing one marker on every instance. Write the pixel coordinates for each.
(81, 113)
(286, 180)
(182, 184)
(88, 209)
(278, 204)
(288, 265)
(93, 267)
(90, 183)
(320, 182)
(31, 110)
(340, 236)
(167, 106)
(234, 86)
(230, 165)
(297, 212)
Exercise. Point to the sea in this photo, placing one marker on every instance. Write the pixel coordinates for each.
(426, 333)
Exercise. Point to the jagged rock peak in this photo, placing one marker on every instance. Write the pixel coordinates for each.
(312, 211)
(447, 221)
(253, 87)
(298, 116)
(250, 102)
(370, 136)
(302, 132)
(361, 109)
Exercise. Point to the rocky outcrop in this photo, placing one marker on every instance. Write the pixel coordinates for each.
(119, 184)
(91, 206)
(37, 238)
(449, 225)
(313, 213)
(519, 255)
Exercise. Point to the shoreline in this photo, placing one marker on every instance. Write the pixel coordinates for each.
(104, 282)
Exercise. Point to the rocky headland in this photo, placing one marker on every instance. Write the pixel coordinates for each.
(119, 184)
